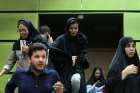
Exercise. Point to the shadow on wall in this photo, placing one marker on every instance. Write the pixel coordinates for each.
(99, 57)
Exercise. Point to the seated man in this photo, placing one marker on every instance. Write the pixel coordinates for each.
(38, 79)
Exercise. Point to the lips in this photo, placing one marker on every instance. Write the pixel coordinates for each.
(132, 53)
(40, 65)
(73, 34)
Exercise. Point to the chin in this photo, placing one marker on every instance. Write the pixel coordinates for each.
(39, 69)
(131, 56)
(73, 35)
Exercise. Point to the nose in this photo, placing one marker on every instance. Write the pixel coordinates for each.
(21, 33)
(132, 48)
(72, 30)
(41, 59)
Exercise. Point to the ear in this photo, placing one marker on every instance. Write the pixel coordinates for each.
(29, 61)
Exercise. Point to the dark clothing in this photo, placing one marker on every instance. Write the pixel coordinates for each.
(32, 33)
(28, 82)
(41, 39)
(119, 62)
(62, 60)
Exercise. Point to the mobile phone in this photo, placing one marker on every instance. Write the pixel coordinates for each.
(22, 43)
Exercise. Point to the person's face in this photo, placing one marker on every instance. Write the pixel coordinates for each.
(97, 74)
(73, 29)
(23, 31)
(130, 49)
(38, 60)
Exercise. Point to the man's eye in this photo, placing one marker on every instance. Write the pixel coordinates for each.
(36, 56)
(43, 56)
(20, 30)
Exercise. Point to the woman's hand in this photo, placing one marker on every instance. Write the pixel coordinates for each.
(74, 58)
(130, 69)
(25, 49)
(58, 87)
(2, 72)
(50, 39)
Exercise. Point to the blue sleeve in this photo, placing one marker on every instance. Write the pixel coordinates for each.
(12, 84)
(55, 76)
(58, 77)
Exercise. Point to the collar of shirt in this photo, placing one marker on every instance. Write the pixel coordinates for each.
(44, 71)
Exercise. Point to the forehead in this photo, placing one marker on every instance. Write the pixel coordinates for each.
(74, 24)
(97, 70)
(22, 26)
(131, 43)
(39, 52)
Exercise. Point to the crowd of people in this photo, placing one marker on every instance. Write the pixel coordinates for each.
(47, 66)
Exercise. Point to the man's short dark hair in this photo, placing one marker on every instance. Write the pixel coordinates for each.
(43, 29)
(35, 47)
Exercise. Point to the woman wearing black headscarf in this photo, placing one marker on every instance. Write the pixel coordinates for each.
(71, 62)
(124, 73)
(18, 55)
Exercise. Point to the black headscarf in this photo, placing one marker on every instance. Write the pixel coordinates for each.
(79, 39)
(32, 33)
(120, 59)
(71, 20)
(119, 62)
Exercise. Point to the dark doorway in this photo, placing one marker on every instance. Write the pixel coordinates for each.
(102, 30)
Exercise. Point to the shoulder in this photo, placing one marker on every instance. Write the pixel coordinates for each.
(81, 36)
(18, 74)
(36, 38)
(16, 45)
(50, 71)
(52, 74)
(82, 39)
(59, 40)
(60, 37)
